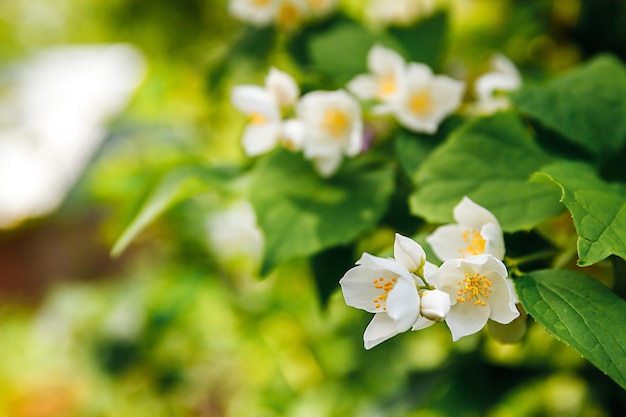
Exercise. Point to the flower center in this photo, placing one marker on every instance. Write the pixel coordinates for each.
(420, 103)
(257, 119)
(386, 85)
(335, 123)
(475, 243)
(474, 288)
(386, 285)
(287, 15)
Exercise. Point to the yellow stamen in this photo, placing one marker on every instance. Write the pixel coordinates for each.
(420, 103)
(386, 85)
(386, 285)
(476, 243)
(474, 288)
(336, 123)
(257, 119)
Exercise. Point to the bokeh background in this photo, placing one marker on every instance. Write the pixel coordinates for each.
(181, 324)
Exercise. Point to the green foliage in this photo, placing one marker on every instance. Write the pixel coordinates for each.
(581, 312)
(301, 213)
(477, 161)
(176, 186)
(586, 106)
(597, 207)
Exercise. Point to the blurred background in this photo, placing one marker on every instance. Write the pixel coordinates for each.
(99, 100)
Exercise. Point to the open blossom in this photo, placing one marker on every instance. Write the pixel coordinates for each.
(397, 12)
(503, 76)
(426, 99)
(287, 14)
(386, 76)
(255, 12)
(478, 290)
(329, 126)
(476, 232)
(387, 288)
(263, 107)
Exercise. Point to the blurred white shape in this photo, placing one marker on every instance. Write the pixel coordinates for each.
(397, 12)
(53, 110)
(233, 232)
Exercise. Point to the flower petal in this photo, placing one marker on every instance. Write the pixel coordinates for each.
(403, 304)
(492, 233)
(469, 214)
(258, 139)
(327, 165)
(381, 328)
(283, 87)
(447, 241)
(250, 99)
(382, 61)
(422, 323)
(501, 299)
(466, 318)
(409, 253)
(363, 86)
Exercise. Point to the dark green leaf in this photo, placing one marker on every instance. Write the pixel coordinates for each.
(581, 312)
(598, 209)
(302, 214)
(490, 161)
(587, 105)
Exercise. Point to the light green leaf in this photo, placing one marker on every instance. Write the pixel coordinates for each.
(178, 185)
(597, 207)
(302, 214)
(490, 161)
(581, 312)
(587, 105)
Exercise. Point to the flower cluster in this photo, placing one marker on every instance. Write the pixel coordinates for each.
(328, 125)
(287, 14)
(406, 292)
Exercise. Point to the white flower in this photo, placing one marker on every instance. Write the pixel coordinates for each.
(386, 288)
(504, 76)
(426, 99)
(263, 106)
(478, 291)
(255, 12)
(387, 69)
(233, 232)
(264, 118)
(331, 126)
(477, 232)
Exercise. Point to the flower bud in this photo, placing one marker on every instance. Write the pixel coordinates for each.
(435, 305)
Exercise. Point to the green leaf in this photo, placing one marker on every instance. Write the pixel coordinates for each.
(176, 186)
(302, 214)
(341, 50)
(581, 312)
(597, 207)
(490, 161)
(587, 105)
(424, 41)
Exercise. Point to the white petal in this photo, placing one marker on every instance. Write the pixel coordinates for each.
(469, 214)
(381, 60)
(447, 95)
(409, 253)
(502, 303)
(447, 277)
(492, 233)
(256, 13)
(283, 87)
(293, 132)
(363, 86)
(447, 241)
(357, 284)
(381, 328)
(326, 166)
(258, 139)
(422, 323)
(403, 304)
(466, 318)
(250, 99)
